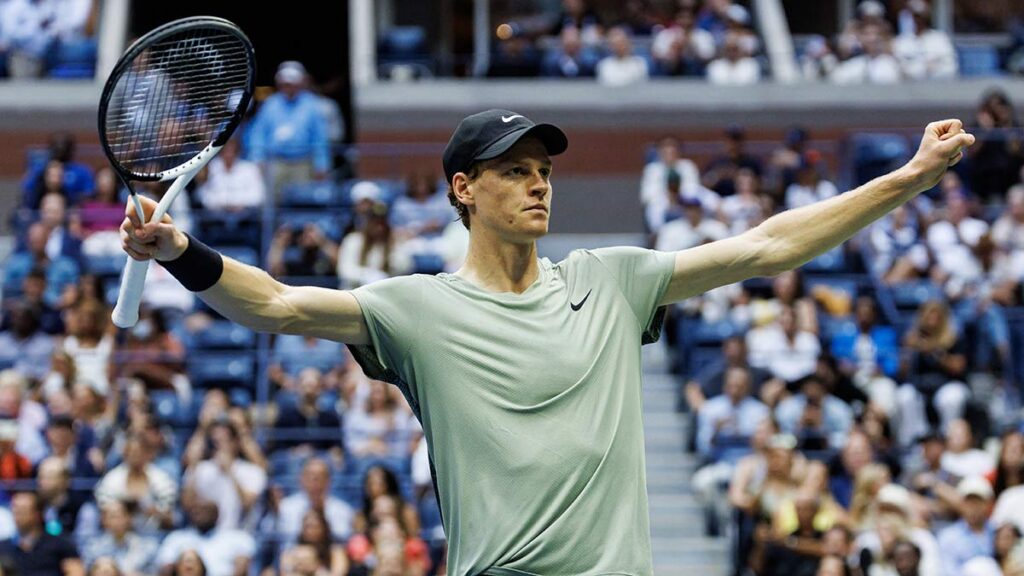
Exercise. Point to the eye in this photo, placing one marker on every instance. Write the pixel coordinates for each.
(516, 171)
(545, 172)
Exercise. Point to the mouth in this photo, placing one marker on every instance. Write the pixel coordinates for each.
(538, 208)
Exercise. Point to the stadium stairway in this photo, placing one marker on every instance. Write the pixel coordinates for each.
(677, 522)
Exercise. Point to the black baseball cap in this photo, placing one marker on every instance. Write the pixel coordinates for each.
(490, 134)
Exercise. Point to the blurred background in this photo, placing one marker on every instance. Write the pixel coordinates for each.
(859, 416)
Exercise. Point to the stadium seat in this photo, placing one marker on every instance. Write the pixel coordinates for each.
(104, 265)
(877, 154)
(405, 46)
(331, 222)
(243, 254)
(979, 60)
(223, 335)
(910, 295)
(222, 370)
(832, 261)
(312, 195)
(319, 281)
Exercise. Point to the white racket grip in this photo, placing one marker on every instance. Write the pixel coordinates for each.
(126, 312)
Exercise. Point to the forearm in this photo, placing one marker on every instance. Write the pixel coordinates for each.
(250, 297)
(796, 236)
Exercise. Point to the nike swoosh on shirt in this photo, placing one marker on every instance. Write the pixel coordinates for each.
(507, 119)
(576, 307)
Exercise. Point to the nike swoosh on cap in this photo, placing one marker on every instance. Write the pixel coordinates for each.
(507, 119)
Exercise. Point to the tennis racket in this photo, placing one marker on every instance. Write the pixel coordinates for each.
(171, 103)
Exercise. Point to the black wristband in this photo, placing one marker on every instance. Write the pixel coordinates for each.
(198, 268)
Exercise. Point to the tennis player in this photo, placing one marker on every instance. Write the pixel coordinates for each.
(526, 373)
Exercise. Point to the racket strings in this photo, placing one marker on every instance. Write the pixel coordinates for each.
(175, 98)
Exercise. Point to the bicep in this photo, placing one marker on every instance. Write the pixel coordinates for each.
(325, 313)
(715, 264)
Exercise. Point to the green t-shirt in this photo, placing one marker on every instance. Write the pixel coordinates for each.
(531, 406)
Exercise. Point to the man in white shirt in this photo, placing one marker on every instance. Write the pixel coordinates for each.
(622, 67)
(735, 67)
(1008, 230)
(876, 65)
(783, 350)
(315, 492)
(233, 483)
(925, 53)
(232, 184)
(654, 183)
(693, 229)
(225, 552)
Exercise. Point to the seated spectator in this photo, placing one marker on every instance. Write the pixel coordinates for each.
(33, 290)
(380, 428)
(314, 495)
(788, 353)
(13, 466)
(61, 173)
(867, 483)
(722, 171)
(622, 67)
(974, 534)
(104, 566)
(102, 212)
(795, 552)
(997, 157)
(1007, 547)
(293, 354)
(143, 487)
(133, 553)
(395, 550)
(90, 343)
(382, 497)
(810, 185)
(714, 17)
(221, 551)
(288, 135)
(710, 382)
(367, 254)
(580, 15)
(932, 365)
(61, 272)
(787, 290)
(891, 521)
(234, 484)
(899, 253)
(305, 252)
(1009, 471)
(869, 355)
(683, 49)
(232, 184)
(746, 208)
(514, 56)
(302, 559)
(925, 53)
(734, 66)
(33, 550)
(154, 355)
(935, 486)
(23, 346)
(571, 59)
(73, 443)
(870, 17)
(876, 65)
(309, 414)
(952, 237)
(961, 458)
(818, 60)
(64, 239)
(15, 403)
(1008, 230)
(693, 229)
(742, 476)
(818, 419)
(654, 184)
(417, 221)
(726, 422)
(847, 465)
(67, 512)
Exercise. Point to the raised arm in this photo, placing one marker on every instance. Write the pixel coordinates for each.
(248, 295)
(790, 239)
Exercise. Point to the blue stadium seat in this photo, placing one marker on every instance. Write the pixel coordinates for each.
(979, 60)
(222, 370)
(243, 254)
(312, 195)
(910, 295)
(233, 228)
(405, 45)
(223, 335)
(701, 357)
(876, 154)
(331, 222)
(832, 261)
(105, 265)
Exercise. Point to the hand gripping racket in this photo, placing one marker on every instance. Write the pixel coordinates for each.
(173, 100)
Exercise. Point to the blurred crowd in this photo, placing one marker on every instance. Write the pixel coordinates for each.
(55, 38)
(861, 415)
(187, 444)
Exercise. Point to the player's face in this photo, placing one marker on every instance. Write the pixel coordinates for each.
(512, 196)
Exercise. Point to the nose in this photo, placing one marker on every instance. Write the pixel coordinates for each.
(539, 186)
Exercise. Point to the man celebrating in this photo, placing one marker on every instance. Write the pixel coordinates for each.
(524, 373)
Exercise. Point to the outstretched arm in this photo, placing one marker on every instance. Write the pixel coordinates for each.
(790, 239)
(248, 295)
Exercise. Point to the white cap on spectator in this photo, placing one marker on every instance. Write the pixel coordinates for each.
(981, 566)
(738, 14)
(8, 429)
(290, 72)
(896, 496)
(975, 486)
(871, 8)
(918, 7)
(366, 190)
(782, 441)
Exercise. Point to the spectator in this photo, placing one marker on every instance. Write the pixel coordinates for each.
(293, 354)
(13, 466)
(315, 495)
(33, 290)
(1009, 472)
(973, 535)
(133, 553)
(221, 551)
(817, 61)
(722, 172)
(876, 65)
(796, 552)
(869, 354)
(711, 381)
(232, 184)
(1006, 544)
(925, 53)
(870, 14)
(694, 229)
(382, 496)
(417, 221)
(787, 290)
(734, 67)
(307, 559)
(143, 487)
(927, 478)
(726, 422)
(104, 566)
(288, 135)
(844, 469)
(311, 424)
(809, 186)
(305, 252)
(621, 67)
(236, 485)
(571, 59)
(90, 343)
(961, 458)
(23, 345)
(714, 17)
(33, 550)
(154, 355)
(818, 419)
(683, 49)
(61, 271)
(367, 254)
(899, 253)
(73, 444)
(788, 353)
(655, 194)
(745, 209)
(998, 156)
(64, 235)
(103, 211)
(1008, 230)
(381, 428)
(891, 522)
(515, 56)
(73, 179)
(31, 417)
(578, 14)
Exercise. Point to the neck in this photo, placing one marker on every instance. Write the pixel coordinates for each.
(497, 265)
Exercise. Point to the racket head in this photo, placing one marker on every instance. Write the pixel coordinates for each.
(175, 97)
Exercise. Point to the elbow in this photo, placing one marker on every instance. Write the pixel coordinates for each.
(771, 255)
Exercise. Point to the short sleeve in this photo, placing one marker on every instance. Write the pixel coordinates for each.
(642, 276)
(392, 309)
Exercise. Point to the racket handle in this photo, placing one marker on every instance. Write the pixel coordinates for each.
(126, 312)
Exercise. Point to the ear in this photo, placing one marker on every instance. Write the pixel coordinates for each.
(462, 190)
